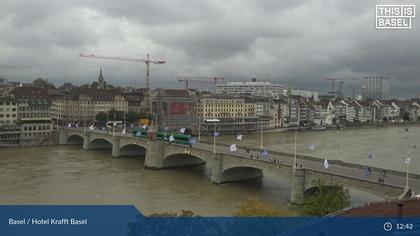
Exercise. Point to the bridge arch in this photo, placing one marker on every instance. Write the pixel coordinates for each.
(132, 149)
(100, 143)
(238, 173)
(75, 139)
(182, 160)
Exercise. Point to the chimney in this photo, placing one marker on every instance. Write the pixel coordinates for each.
(254, 80)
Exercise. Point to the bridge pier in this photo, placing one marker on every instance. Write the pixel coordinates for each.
(298, 186)
(216, 172)
(62, 137)
(154, 155)
(115, 146)
(86, 140)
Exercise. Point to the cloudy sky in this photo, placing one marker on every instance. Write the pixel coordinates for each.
(295, 42)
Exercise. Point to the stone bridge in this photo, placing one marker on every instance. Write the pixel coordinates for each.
(228, 166)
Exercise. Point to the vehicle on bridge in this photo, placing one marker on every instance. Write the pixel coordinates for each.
(178, 138)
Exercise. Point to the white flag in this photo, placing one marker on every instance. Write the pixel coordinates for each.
(182, 130)
(312, 147)
(407, 161)
(233, 147)
(91, 127)
(69, 126)
(326, 165)
(171, 138)
(239, 137)
(144, 126)
(124, 131)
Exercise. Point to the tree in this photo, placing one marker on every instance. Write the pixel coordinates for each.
(405, 116)
(94, 85)
(67, 86)
(289, 91)
(184, 213)
(255, 207)
(43, 83)
(101, 117)
(325, 200)
(133, 116)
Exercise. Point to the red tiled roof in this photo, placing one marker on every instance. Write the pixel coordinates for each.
(409, 207)
(29, 92)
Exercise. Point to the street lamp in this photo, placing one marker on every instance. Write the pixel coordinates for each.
(294, 159)
(261, 143)
(214, 121)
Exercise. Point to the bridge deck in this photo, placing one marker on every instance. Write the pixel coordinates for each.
(395, 180)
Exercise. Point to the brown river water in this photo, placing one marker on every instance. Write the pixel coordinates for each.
(71, 175)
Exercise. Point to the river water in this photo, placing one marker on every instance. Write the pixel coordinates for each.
(71, 175)
(389, 146)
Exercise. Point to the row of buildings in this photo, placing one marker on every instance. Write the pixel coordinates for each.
(29, 114)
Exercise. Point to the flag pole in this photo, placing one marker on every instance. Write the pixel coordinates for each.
(261, 135)
(407, 169)
(341, 143)
(199, 128)
(214, 138)
(294, 159)
(406, 178)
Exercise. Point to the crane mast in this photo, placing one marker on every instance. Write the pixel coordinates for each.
(146, 61)
(198, 79)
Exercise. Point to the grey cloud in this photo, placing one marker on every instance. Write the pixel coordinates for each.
(295, 42)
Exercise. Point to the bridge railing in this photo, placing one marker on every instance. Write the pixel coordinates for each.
(311, 158)
(278, 153)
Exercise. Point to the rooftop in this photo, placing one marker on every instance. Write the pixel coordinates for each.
(410, 207)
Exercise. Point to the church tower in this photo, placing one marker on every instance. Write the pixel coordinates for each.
(101, 81)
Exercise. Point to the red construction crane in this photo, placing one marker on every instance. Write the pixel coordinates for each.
(145, 61)
(340, 88)
(332, 92)
(353, 86)
(341, 82)
(198, 79)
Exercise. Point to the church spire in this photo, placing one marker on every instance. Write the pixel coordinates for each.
(101, 81)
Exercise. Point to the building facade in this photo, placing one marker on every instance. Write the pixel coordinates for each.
(9, 128)
(376, 87)
(81, 105)
(174, 109)
(254, 88)
(236, 113)
(34, 118)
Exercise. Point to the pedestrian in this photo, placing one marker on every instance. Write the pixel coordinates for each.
(384, 173)
(257, 157)
(379, 179)
(251, 156)
(301, 166)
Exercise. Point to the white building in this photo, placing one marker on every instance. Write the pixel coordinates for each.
(305, 94)
(253, 88)
(8, 110)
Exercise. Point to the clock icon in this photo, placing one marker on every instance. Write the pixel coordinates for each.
(387, 226)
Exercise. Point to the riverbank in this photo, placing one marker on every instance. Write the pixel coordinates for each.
(355, 127)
